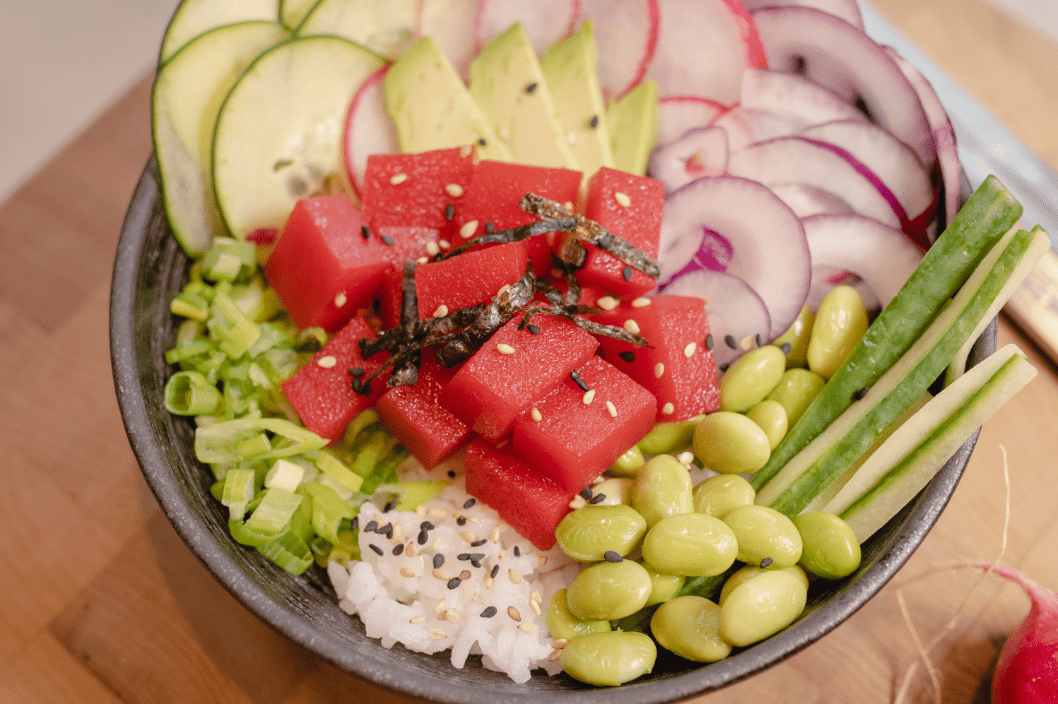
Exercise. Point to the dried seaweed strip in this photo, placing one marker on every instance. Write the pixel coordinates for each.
(575, 313)
(596, 234)
(396, 338)
(406, 370)
(514, 234)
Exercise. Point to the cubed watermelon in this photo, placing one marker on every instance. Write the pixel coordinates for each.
(390, 296)
(529, 502)
(573, 435)
(321, 392)
(496, 189)
(514, 369)
(414, 416)
(469, 278)
(678, 367)
(416, 189)
(631, 207)
(323, 268)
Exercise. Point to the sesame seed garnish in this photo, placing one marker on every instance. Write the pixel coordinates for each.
(858, 394)
(568, 205)
(541, 560)
(597, 499)
(513, 613)
(442, 311)
(534, 607)
(437, 634)
(536, 596)
(398, 179)
(461, 520)
(626, 273)
(432, 248)
(527, 628)
(659, 369)
(444, 244)
(611, 409)
(730, 341)
(468, 229)
(586, 492)
(468, 536)
(759, 340)
(554, 656)
(685, 457)
(398, 548)
(531, 87)
(439, 607)
(478, 544)
(589, 396)
(515, 577)
(577, 502)
(454, 583)
(438, 560)
(622, 199)
(641, 302)
(371, 527)
(688, 351)
(494, 571)
(340, 300)
(411, 550)
(398, 530)
(593, 122)
(417, 619)
(452, 616)
(533, 328)
(450, 212)
(500, 555)
(422, 537)
(441, 575)
(437, 513)
(365, 232)
(598, 480)
(463, 576)
(420, 510)
(536, 415)
(709, 341)
(482, 141)
(386, 239)
(607, 302)
(631, 326)
(627, 355)
(723, 367)
(786, 347)
(377, 550)
(575, 376)
(668, 409)
(503, 289)
(766, 562)
(464, 151)
(489, 612)
(504, 348)
(612, 556)
(436, 543)
(454, 190)
(327, 362)
(357, 372)
(746, 343)
(407, 572)
(494, 536)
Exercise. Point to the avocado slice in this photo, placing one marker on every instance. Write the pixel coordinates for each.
(506, 82)
(633, 124)
(569, 67)
(432, 109)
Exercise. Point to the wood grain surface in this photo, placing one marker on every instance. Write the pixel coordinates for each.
(100, 602)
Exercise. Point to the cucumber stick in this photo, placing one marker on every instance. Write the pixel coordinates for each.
(913, 454)
(989, 213)
(810, 472)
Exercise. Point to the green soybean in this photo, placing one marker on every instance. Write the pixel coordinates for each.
(797, 337)
(831, 549)
(771, 417)
(609, 591)
(748, 572)
(663, 488)
(689, 626)
(691, 545)
(664, 586)
(795, 391)
(669, 438)
(617, 490)
(750, 378)
(761, 607)
(628, 464)
(609, 659)
(563, 624)
(719, 494)
(730, 443)
(765, 536)
(589, 532)
(838, 328)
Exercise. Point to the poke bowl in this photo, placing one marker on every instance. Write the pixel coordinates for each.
(152, 268)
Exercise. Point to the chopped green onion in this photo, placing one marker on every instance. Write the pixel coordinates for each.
(289, 552)
(254, 446)
(284, 474)
(333, 467)
(238, 491)
(217, 442)
(273, 514)
(411, 495)
(328, 509)
(229, 259)
(190, 394)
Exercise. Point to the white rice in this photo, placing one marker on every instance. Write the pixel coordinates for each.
(403, 598)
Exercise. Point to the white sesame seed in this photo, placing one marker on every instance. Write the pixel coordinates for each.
(452, 616)
(668, 409)
(527, 628)
(438, 512)
(398, 531)
(464, 151)
(504, 348)
(494, 536)
(577, 502)
(406, 572)
(514, 577)
(432, 248)
(541, 560)
(441, 575)
(503, 289)
(468, 536)
(622, 199)
(440, 607)
(468, 229)
(442, 311)
(437, 634)
(513, 613)
(568, 205)
(436, 543)
(554, 656)
(747, 342)
(536, 415)
(454, 190)
(443, 244)
(559, 643)
(501, 554)
(488, 581)
(411, 550)
(422, 260)
(641, 302)
(632, 326)
(589, 396)
(607, 302)
(534, 607)
(659, 369)
(417, 619)
(688, 351)
(536, 596)
(611, 409)
(598, 480)
(398, 179)
(340, 300)
(327, 362)
(420, 510)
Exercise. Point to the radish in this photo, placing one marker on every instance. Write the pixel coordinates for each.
(451, 24)
(848, 10)
(701, 152)
(744, 126)
(678, 114)
(626, 36)
(368, 129)
(807, 201)
(545, 21)
(789, 94)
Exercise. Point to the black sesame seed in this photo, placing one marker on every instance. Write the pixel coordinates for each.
(723, 367)
(386, 239)
(785, 347)
(454, 582)
(451, 474)
(386, 530)
(450, 212)
(377, 549)
(575, 376)
(586, 492)
(598, 498)
(475, 563)
(531, 87)
(490, 227)
(390, 505)
(533, 328)
(766, 562)
(479, 543)
(422, 537)
(357, 385)
(355, 523)
(482, 141)
(517, 551)
(438, 560)
(594, 121)
(709, 341)
(398, 548)
(469, 502)
(461, 521)
(489, 612)
(426, 525)
(731, 342)
(495, 571)
(371, 527)
(860, 393)
(477, 557)
(759, 340)
(464, 556)
(626, 273)
(365, 231)
(357, 372)
(627, 356)
(611, 556)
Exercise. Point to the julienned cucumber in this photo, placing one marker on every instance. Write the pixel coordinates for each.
(913, 455)
(855, 430)
(990, 212)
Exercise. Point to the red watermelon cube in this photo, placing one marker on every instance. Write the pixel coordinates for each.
(573, 435)
(469, 278)
(416, 189)
(514, 369)
(323, 268)
(529, 502)
(678, 367)
(390, 296)
(321, 392)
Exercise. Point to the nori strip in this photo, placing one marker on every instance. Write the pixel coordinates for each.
(514, 234)
(593, 232)
(407, 372)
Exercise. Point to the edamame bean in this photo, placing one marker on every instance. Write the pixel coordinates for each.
(663, 488)
(796, 390)
(669, 438)
(751, 377)
(717, 495)
(609, 591)
(691, 545)
(664, 586)
(609, 659)
(730, 443)
(761, 607)
(838, 328)
(750, 571)
(689, 626)
(797, 337)
(831, 549)
(765, 536)
(617, 490)
(628, 464)
(771, 417)
(563, 624)
(589, 532)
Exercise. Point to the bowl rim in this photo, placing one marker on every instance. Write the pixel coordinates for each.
(146, 206)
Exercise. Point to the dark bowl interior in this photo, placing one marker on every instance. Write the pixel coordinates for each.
(151, 268)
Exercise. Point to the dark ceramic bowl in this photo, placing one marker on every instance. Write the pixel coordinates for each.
(151, 268)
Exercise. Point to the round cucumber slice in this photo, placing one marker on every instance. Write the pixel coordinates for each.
(279, 132)
(187, 96)
(387, 28)
(195, 17)
(292, 12)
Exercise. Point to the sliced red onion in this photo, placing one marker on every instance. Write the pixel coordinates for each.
(703, 48)
(744, 126)
(545, 21)
(739, 227)
(848, 10)
(806, 200)
(626, 37)
(368, 129)
(678, 114)
(879, 255)
(451, 24)
(701, 152)
(838, 56)
(784, 93)
(735, 312)
(800, 160)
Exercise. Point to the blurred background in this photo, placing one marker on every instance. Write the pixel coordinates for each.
(62, 62)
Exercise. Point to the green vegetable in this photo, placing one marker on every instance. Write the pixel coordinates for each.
(663, 488)
(797, 337)
(765, 536)
(795, 392)
(589, 532)
(831, 549)
(689, 626)
(607, 591)
(761, 607)
(838, 328)
(609, 659)
(772, 419)
(748, 572)
(730, 443)
(751, 378)
(690, 544)
(664, 586)
(191, 394)
(628, 464)
(717, 495)
(563, 624)
(617, 490)
(669, 438)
